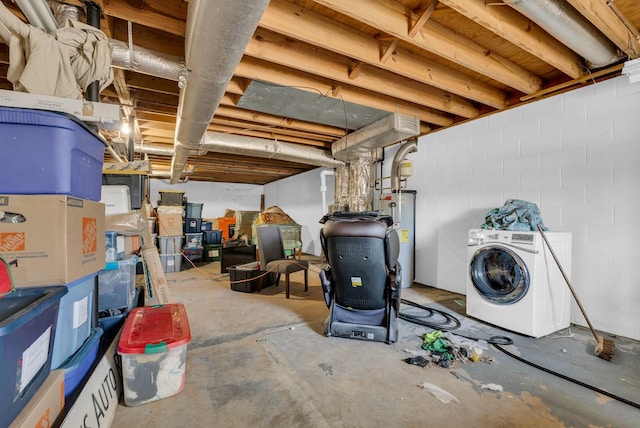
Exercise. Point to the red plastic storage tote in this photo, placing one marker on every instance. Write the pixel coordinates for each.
(153, 348)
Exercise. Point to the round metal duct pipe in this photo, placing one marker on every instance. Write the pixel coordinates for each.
(567, 25)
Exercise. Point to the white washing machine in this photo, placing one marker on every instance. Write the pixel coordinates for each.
(514, 282)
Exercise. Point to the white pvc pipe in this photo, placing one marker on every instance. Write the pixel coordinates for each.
(323, 187)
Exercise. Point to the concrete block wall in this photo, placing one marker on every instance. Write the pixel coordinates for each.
(216, 197)
(301, 198)
(577, 156)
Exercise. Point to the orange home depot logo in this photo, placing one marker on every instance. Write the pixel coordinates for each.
(12, 241)
(45, 420)
(89, 235)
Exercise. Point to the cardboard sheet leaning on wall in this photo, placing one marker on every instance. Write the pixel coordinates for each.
(62, 64)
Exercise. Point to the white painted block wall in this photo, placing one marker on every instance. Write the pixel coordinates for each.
(216, 197)
(301, 198)
(577, 156)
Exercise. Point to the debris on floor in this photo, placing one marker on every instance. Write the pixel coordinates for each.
(448, 348)
(439, 393)
(417, 361)
(491, 387)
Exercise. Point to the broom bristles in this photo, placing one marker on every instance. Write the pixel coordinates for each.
(605, 348)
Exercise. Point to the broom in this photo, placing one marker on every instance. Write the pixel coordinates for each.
(604, 347)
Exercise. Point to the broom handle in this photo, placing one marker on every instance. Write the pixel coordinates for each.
(575, 296)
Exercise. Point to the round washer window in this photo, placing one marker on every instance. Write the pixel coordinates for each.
(499, 275)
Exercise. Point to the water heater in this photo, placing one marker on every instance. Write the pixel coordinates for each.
(401, 207)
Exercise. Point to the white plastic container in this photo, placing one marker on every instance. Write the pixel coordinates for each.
(153, 348)
(171, 262)
(116, 199)
(170, 244)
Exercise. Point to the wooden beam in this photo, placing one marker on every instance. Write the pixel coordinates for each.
(423, 15)
(355, 70)
(301, 24)
(257, 126)
(149, 38)
(280, 50)
(391, 18)
(389, 51)
(519, 30)
(145, 14)
(152, 83)
(270, 135)
(581, 80)
(267, 119)
(606, 20)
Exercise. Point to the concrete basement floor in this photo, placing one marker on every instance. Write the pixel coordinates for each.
(260, 360)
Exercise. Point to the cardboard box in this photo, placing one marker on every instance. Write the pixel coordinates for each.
(131, 244)
(55, 239)
(170, 220)
(158, 291)
(45, 409)
(169, 224)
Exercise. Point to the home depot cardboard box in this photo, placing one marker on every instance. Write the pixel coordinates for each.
(45, 409)
(51, 239)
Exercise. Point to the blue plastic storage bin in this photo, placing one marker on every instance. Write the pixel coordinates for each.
(194, 210)
(79, 364)
(49, 153)
(28, 318)
(111, 324)
(192, 225)
(117, 284)
(212, 236)
(74, 318)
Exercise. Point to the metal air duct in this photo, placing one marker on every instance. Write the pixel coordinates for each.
(410, 146)
(217, 34)
(163, 151)
(270, 149)
(567, 25)
(146, 61)
(393, 128)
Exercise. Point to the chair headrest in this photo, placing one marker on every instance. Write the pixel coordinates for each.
(362, 228)
(357, 216)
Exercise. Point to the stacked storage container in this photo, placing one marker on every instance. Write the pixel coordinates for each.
(170, 228)
(153, 348)
(28, 324)
(212, 240)
(116, 282)
(50, 187)
(116, 292)
(193, 246)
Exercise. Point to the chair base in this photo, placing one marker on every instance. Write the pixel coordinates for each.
(371, 333)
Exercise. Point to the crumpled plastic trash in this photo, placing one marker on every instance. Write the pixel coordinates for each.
(439, 393)
(491, 387)
(435, 341)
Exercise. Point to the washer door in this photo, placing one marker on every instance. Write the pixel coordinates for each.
(499, 275)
